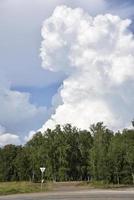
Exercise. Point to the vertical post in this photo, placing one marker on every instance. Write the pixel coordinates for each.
(41, 180)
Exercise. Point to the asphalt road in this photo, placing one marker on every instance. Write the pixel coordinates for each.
(76, 195)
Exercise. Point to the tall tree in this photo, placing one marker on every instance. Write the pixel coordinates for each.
(99, 152)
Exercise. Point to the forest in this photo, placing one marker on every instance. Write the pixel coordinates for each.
(71, 154)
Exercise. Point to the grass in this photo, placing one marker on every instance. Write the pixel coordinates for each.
(22, 187)
(7, 188)
(102, 185)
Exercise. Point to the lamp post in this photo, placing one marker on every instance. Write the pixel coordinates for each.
(42, 169)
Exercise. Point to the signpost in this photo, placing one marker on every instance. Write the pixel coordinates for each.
(42, 169)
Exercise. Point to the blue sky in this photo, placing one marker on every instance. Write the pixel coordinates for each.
(20, 64)
(40, 96)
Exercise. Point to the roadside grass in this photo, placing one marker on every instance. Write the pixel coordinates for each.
(7, 188)
(102, 185)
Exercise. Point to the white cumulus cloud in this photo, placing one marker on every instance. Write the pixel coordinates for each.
(8, 138)
(17, 114)
(30, 136)
(97, 54)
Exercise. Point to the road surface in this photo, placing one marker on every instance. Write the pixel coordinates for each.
(76, 195)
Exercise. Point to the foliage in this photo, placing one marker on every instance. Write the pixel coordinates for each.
(70, 154)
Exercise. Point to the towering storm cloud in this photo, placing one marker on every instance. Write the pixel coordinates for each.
(97, 56)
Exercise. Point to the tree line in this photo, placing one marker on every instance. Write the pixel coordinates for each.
(70, 154)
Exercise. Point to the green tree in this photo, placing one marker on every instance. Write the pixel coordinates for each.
(99, 152)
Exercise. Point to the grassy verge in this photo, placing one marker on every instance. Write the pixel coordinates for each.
(22, 187)
(7, 188)
(102, 185)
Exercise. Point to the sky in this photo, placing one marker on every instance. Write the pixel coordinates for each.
(37, 84)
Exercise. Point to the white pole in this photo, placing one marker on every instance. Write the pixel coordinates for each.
(41, 180)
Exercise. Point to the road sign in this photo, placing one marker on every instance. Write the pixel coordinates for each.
(42, 169)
